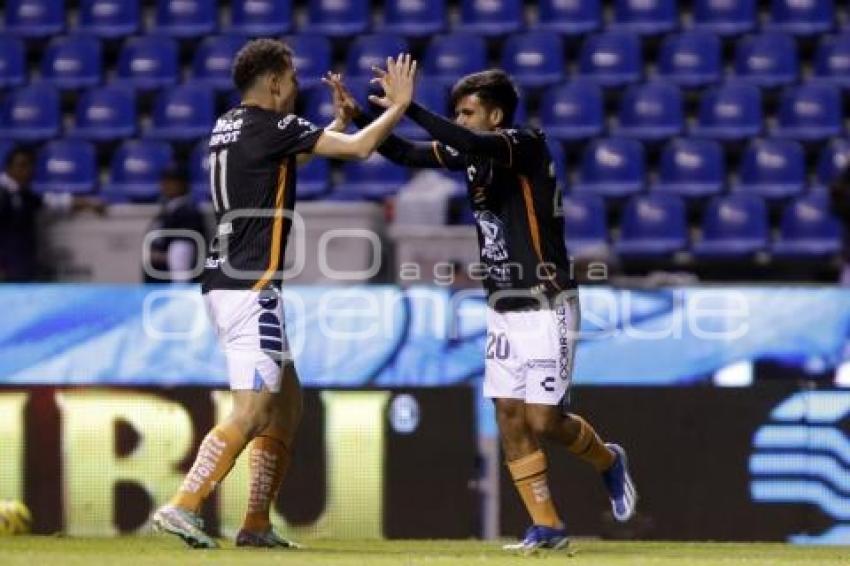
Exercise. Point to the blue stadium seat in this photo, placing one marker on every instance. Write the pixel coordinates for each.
(260, 17)
(833, 158)
(449, 57)
(733, 227)
(725, 17)
(367, 51)
(691, 167)
(72, 62)
(314, 179)
(645, 17)
(12, 62)
(802, 18)
(109, 18)
(810, 112)
(767, 60)
(185, 18)
(6, 146)
(651, 112)
(653, 226)
(832, 60)
(135, 170)
(318, 104)
(312, 57)
(732, 111)
(34, 18)
(65, 166)
(434, 97)
(571, 17)
(573, 111)
(414, 18)
(808, 229)
(211, 64)
(691, 59)
(106, 113)
(585, 224)
(199, 171)
(373, 179)
(148, 62)
(491, 17)
(337, 18)
(772, 168)
(534, 59)
(30, 114)
(612, 167)
(182, 113)
(613, 59)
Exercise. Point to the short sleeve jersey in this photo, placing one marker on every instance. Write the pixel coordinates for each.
(252, 179)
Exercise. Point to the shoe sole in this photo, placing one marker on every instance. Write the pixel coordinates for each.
(163, 526)
(629, 492)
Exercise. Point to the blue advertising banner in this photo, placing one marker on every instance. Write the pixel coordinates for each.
(425, 336)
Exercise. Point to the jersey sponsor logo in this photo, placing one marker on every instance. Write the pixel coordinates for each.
(471, 172)
(451, 151)
(494, 248)
(563, 343)
(214, 262)
(548, 383)
(226, 131)
(284, 123)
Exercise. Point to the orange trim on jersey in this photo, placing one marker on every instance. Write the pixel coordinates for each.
(533, 225)
(437, 154)
(277, 228)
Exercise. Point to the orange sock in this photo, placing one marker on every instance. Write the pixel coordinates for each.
(529, 474)
(215, 458)
(270, 459)
(590, 448)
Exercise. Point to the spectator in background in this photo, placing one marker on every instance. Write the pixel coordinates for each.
(172, 254)
(19, 212)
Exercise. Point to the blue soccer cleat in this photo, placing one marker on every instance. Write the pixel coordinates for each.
(537, 537)
(620, 487)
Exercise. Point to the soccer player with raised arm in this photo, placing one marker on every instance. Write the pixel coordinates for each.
(533, 309)
(253, 152)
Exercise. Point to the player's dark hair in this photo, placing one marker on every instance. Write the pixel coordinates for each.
(19, 151)
(257, 58)
(494, 88)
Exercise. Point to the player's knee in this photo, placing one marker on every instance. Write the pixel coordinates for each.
(254, 418)
(543, 423)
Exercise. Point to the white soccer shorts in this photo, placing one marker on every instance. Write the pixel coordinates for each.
(530, 353)
(250, 328)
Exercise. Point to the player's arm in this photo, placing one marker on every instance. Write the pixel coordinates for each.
(496, 145)
(395, 148)
(397, 83)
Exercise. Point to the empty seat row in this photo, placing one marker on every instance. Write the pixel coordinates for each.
(534, 59)
(32, 114)
(193, 18)
(733, 227)
(770, 168)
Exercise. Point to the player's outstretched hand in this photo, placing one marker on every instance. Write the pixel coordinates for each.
(345, 105)
(397, 81)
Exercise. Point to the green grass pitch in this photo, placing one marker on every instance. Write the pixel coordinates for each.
(165, 551)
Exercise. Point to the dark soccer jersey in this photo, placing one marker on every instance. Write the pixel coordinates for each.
(511, 185)
(252, 178)
(517, 213)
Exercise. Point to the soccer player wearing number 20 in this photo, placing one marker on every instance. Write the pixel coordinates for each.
(533, 309)
(254, 149)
